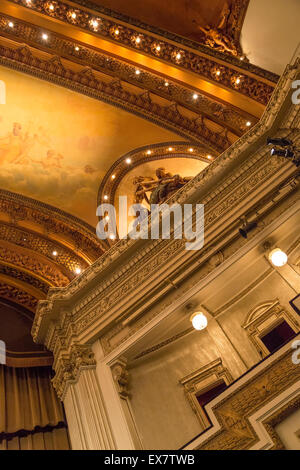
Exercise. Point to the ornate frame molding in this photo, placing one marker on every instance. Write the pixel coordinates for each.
(201, 380)
(262, 319)
(189, 60)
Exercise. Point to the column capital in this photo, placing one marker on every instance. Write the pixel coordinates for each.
(69, 365)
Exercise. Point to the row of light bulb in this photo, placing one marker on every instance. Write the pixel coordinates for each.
(128, 161)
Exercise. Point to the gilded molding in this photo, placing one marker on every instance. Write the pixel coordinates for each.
(147, 81)
(86, 81)
(204, 66)
(19, 296)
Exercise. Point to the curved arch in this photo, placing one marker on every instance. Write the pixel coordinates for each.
(138, 156)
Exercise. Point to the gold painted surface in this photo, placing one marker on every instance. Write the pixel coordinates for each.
(138, 58)
(56, 145)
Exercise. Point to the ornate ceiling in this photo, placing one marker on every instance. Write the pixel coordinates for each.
(87, 87)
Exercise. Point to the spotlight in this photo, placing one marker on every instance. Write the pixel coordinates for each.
(287, 150)
(280, 142)
(246, 228)
(287, 153)
(77, 270)
(54, 253)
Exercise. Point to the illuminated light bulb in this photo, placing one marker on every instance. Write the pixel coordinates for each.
(113, 177)
(170, 149)
(158, 48)
(94, 24)
(209, 157)
(128, 160)
(191, 149)
(45, 36)
(242, 57)
(117, 31)
(10, 24)
(199, 321)
(248, 123)
(28, 3)
(166, 83)
(237, 81)
(137, 72)
(178, 56)
(218, 72)
(77, 270)
(54, 253)
(112, 236)
(148, 152)
(278, 257)
(76, 48)
(73, 15)
(51, 7)
(107, 217)
(195, 96)
(138, 39)
(105, 197)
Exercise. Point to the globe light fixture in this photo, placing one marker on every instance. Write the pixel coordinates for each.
(278, 257)
(199, 321)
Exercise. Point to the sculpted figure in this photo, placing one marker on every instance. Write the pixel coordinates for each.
(160, 188)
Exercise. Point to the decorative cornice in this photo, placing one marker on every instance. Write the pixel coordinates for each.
(169, 52)
(86, 81)
(209, 107)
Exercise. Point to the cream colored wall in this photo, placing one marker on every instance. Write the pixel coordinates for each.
(270, 33)
(164, 416)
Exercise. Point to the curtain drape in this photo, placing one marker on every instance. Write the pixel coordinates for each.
(29, 403)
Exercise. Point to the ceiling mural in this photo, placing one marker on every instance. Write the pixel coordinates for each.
(56, 145)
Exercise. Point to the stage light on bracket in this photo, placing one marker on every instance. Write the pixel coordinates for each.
(246, 228)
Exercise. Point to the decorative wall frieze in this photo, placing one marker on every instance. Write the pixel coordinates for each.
(208, 107)
(69, 366)
(86, 81)
(167, 51)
